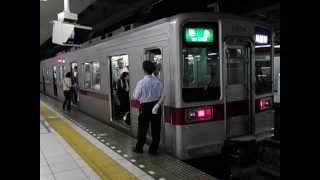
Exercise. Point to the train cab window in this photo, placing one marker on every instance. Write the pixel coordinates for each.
(263, 54)
(96, 75)
(200, 62)
(87, 75)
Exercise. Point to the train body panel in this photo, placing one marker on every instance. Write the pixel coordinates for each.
(231, 106)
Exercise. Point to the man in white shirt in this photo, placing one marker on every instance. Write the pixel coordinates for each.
(148, 91)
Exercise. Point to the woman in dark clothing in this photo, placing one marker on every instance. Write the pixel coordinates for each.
(123, 93)
(67, 91)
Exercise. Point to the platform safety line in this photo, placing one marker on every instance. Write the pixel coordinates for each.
(102, 164)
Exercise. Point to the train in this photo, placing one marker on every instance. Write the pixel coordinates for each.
(216, 70)
(276, 79)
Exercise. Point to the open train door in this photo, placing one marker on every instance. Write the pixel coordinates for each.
(74, 70)
(54, 81)
(238, 103)
(44, 82)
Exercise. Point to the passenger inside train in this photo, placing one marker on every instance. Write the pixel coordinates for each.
(75, 83)
(120, 89)
(123, 96)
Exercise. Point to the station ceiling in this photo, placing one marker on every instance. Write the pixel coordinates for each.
(107, 15)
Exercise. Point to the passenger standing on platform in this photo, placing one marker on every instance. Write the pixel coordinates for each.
(148, 91)
(67, 91)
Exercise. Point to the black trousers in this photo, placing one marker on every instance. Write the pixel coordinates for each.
(67, 99)
(146, 116)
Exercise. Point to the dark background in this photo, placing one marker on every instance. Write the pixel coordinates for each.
(20, 96)
(108, 15)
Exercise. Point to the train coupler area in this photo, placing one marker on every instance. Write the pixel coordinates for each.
(241, 152)
(268, 161)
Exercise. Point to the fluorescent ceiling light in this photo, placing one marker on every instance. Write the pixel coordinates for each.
(277, 46)
(263, 46)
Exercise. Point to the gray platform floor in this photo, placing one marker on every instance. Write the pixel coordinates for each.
(161, 166)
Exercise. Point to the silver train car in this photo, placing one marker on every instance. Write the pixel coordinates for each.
(216, 70)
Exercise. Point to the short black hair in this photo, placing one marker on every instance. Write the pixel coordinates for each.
(148, 67)
(68, 74)
(124, 74)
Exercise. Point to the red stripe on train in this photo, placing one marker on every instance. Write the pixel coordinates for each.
(95, 94)
(176, 116)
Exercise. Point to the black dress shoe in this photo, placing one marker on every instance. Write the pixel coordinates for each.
(154, 153)
(137, 150)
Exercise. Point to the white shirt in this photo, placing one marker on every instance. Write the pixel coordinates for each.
(148, 89)
(66, 84)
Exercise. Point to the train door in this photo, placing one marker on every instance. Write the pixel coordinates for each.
(44, 81)
(120, 91)
(75, 82)
(238, 93)
(62, 71)
(154, 55)
(54, 80)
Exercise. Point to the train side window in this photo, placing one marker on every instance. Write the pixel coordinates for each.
(61, 73)
(55, 72)
(263, 62)
(263, 70)
(44, 73)
(87, 75)
(47, 73)
(237, 58)
(96, 76)
(155, 56)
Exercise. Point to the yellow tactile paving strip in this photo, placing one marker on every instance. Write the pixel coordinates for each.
(103, 165)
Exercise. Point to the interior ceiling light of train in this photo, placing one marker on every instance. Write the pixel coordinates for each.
(108, 15)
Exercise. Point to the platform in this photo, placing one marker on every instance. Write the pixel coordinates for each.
(117, 146)
(58, 161)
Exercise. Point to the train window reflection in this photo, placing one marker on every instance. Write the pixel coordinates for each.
(96, 75)
(263, 70)
(87, 75)
(201, 74)
(236, 65)
(155, 56)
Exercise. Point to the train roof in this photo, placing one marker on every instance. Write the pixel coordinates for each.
(99, 39)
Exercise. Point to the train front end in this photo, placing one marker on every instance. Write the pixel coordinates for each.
(215, 94)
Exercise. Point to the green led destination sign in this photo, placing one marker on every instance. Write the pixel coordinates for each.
(199, 35)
